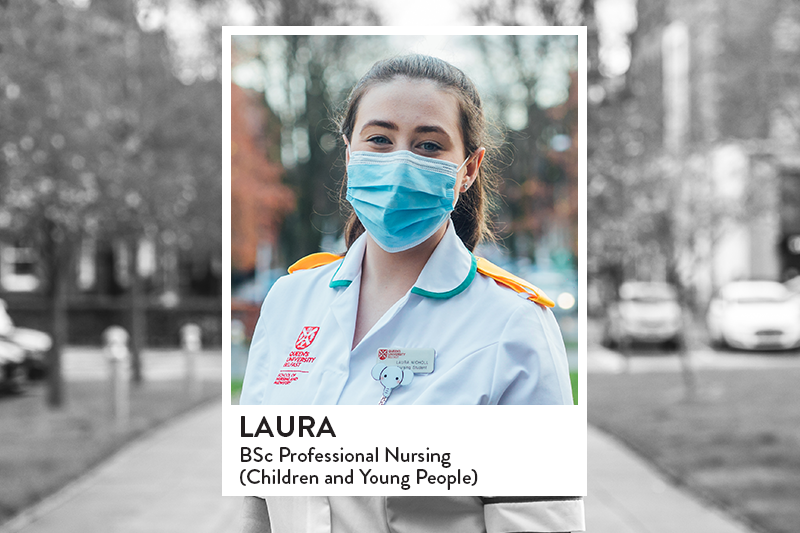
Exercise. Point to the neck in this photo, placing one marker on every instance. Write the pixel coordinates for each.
(398, 270)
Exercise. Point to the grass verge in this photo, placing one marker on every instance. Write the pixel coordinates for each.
(573, 377)
(736, 442)
(41, 450)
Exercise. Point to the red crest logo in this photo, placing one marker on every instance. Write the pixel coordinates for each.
(306, 337)
(383, 354)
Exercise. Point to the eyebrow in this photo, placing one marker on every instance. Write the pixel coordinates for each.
(382, 124)
(431, 129)
(392, 126)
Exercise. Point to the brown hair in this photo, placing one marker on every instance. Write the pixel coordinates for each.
(471, 214)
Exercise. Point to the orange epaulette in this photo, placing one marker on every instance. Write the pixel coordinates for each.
(507, 279)
(314, 261)
(486, 268)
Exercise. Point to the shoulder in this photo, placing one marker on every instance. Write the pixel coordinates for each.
(508, 310)
(518, 312)
(522, 288)
(313, 261)
(311, 273)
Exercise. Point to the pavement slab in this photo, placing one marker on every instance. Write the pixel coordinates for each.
(167, 482)
(628, 495)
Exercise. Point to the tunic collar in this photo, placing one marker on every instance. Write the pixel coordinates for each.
(448, 272)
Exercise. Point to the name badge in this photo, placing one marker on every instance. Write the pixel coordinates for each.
(418, 360)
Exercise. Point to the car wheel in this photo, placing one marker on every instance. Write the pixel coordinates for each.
(36, 369)
(675, 343)
(608, 341)
(625, 345)
(15, 378)
(719, 343)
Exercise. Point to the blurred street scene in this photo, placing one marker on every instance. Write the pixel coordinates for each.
(694, 210)
(157, 483)
(110, 214)
(110, 241)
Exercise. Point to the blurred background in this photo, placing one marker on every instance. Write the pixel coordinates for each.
(110, 242)
(109, 135)
(288, 160)
(694, 225)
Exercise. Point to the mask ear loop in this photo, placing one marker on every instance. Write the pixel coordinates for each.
(462, 164)
(347, 145)
(465, 186)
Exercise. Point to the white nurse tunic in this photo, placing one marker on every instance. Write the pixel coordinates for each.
(420, 514)
(491, 346)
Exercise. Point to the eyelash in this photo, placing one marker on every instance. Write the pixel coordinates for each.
(380, 139)
(435, 148)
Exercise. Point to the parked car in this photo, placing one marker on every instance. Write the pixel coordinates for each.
(22, 352)
(646, 312)
(755, 315)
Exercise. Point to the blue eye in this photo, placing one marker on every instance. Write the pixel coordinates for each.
(379, 139)
(429, 146)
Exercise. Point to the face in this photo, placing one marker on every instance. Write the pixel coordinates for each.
(414, 115)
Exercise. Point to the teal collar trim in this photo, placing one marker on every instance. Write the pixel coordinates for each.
(339, 282)
(449, 294)
(441, 272)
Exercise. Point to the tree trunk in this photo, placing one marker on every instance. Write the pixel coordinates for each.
(59, 275)
(137, 324)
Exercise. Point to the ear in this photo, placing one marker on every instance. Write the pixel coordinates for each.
(376, 371)
(408, 376)
(474, 165)
(346, 151)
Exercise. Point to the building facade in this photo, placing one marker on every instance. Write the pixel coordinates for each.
(717, 84)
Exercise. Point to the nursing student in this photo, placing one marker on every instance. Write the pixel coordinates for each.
(409, 315)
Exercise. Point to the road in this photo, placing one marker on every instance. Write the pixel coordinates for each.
(699, 355)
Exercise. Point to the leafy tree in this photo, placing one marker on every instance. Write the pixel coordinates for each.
(100, 141)
(310, 77)
(526, 13)
(259, 201)
(539, 186)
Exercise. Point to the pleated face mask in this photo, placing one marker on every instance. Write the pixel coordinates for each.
(400, 197)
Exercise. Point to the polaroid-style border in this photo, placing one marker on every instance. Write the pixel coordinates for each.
(513, 450)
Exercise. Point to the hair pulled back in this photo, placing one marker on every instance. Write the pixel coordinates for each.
(471, 214)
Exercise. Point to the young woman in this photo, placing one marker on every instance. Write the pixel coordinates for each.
(415, 134)
(409, 315)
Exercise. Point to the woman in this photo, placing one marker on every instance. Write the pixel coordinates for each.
(409, 315)
(415, 134)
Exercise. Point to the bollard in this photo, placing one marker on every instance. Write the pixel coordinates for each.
(191, 343)
(115, 340)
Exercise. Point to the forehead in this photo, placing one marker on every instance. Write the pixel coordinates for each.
(410, 103)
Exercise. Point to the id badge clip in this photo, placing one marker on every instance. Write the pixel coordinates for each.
(397, 366)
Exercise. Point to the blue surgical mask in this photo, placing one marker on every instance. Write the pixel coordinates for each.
(400, 197)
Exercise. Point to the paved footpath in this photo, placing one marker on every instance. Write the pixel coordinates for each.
(167, 482)
(627, 495)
